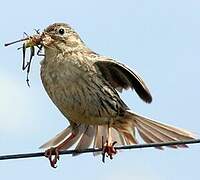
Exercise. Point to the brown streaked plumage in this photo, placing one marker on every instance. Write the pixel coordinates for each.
(84, 86)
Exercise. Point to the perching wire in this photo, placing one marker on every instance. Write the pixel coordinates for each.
(90, 150)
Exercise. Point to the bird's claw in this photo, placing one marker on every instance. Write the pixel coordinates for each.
(53, 155)
(108, 150)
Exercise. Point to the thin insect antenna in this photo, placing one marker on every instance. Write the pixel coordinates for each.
(26, 34)
(37, 31)
(20, 40)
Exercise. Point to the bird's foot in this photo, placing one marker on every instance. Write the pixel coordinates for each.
(108, 150)
(53, 155)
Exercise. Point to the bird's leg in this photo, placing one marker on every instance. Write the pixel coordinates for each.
(108, 148)
(53, 153)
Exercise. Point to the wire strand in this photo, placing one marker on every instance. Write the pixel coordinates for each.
(90, 150)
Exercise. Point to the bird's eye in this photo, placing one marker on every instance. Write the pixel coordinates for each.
(61, 31)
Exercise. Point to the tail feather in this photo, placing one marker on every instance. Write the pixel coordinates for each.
(78, 131)
(100, 138)
(170, 131)
(127, 136)
(97, 138)
(122, 140)
(123, 131)
(126, 130)
(86, 139)
(117, 136)
(63, 135)
(157, 136)
(57, 139)
(147, 138)
(102, 135)
(155, 132)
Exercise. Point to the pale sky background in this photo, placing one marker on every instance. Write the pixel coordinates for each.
(158, 39)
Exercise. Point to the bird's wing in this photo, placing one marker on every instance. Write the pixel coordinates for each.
(121, 77)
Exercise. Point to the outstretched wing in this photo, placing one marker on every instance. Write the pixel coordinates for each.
(121, 77)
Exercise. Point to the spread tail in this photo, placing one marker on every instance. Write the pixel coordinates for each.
(154, 132)
(123, 131)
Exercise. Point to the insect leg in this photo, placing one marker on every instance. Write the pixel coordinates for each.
(24, 64)
(39, 50)
(32, 53)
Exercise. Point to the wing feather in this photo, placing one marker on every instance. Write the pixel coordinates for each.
(121, 77)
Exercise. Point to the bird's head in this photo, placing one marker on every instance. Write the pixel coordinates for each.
(58, 37)
(61, 37)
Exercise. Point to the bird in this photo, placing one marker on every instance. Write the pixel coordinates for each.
(85, 86)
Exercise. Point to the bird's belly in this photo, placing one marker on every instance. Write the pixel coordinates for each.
(75, 97)
(77, 104)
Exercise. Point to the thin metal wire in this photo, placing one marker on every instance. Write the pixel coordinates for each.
(136, 146)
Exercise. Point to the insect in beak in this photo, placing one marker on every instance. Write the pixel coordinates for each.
(30, 42)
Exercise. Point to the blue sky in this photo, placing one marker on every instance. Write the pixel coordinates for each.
(158, 39)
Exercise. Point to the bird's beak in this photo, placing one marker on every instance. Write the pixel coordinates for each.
(43, 39)
(46, 39)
